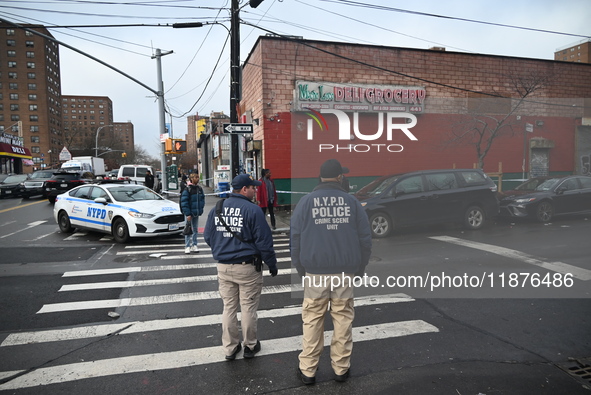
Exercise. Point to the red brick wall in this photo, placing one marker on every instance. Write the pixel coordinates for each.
(275, 64)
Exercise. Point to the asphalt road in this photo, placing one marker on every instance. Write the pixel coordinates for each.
(513, 318)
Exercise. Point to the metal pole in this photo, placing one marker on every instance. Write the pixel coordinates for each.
(161, 111)
(234, 81)
(96, 139)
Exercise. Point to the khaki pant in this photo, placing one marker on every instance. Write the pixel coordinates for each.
(239, 285)
(318, 299)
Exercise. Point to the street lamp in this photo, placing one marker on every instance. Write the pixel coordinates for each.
(96, 139)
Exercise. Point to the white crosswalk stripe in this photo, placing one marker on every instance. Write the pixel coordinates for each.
(160, 276)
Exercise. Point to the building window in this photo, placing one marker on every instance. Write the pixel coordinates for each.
(15, 117)
(14, 107)
(34, 128)
(14, 96)
(11, 54)
(30, 54)
(32, 107)
(30, 65)
(11, 43)
(35, 139)
(35, 150)
(32, 86)
(11, 65)
(34, 118)
(13, 85)
(10, 32)
(32, 97)
(12, 76)
(29, 44)
(31, 76)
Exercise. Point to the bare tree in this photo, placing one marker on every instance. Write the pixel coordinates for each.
(490, 116)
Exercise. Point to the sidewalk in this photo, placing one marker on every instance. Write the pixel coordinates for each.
(282, 216)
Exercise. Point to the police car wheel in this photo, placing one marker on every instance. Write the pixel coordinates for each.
(381, 225)
(64, 222)
(120, 231)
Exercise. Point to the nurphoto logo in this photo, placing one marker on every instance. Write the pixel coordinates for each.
(344, 132)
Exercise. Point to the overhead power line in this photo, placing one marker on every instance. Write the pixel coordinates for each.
(385, 8)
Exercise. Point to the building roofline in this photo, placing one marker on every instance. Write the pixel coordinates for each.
(586, 40)
(299, 39)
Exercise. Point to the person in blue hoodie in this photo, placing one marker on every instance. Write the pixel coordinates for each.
(240, 237)
(192, 204)
(330, 240)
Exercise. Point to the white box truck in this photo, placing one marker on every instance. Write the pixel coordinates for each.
(86, 163)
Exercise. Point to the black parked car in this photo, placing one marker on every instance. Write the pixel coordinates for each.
(467, 196)
(34, 185)
(12, 186)
(523, 188)
(555, 196)
(63, 181)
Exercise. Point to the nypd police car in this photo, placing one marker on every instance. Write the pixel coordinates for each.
(123, 210)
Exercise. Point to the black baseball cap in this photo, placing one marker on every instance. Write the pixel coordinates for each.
(332, 168)
(244, 180)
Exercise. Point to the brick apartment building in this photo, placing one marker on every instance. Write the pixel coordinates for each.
(30, 105)
(314, 100)
(577, 52)
(84, 117)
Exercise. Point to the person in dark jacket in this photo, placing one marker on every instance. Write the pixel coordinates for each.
(149, 179)
(267, 195)
(330, 240)
(236, 249)
(192, 204)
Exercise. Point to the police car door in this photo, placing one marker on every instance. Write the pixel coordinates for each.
(79, 210)
(98, 212)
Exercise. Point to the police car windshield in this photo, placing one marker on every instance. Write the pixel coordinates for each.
(133, 194)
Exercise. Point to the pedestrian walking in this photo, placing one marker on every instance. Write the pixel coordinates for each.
(240, 240)
(192, 204)
(267, 195)
(330, 240)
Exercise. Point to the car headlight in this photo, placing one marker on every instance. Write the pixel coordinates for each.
(135, 214)
(526, 200)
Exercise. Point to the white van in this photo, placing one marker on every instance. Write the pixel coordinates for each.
(135, 173)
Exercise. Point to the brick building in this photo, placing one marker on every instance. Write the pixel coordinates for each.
(577, 52)
(314, 100)
(30, 104)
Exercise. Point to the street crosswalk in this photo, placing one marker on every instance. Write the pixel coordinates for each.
(191, 270)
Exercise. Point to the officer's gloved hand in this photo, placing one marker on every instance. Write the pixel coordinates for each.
(273, 271)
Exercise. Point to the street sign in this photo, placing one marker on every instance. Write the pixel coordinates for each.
(238, 127)
(65, 154)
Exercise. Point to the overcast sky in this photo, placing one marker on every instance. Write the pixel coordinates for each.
(194, 85)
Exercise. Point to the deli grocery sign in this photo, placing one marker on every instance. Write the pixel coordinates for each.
(358, 97)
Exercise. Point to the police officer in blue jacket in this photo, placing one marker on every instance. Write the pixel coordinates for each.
(330, 244)
(239, 236)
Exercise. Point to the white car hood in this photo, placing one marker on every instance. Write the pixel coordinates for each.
(155, 207)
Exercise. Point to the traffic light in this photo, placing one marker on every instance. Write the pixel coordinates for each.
(180, 146)
(124, 155)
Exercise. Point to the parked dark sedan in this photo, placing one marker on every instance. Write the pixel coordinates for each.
(523, 188)
(555, 196)
(34, 185)
(12, 186)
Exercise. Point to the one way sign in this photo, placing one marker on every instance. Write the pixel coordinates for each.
(238, 127)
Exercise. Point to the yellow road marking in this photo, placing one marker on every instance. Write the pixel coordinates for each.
(21, 206)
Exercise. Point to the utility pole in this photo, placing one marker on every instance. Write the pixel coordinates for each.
(161, 113)
(234, 81)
